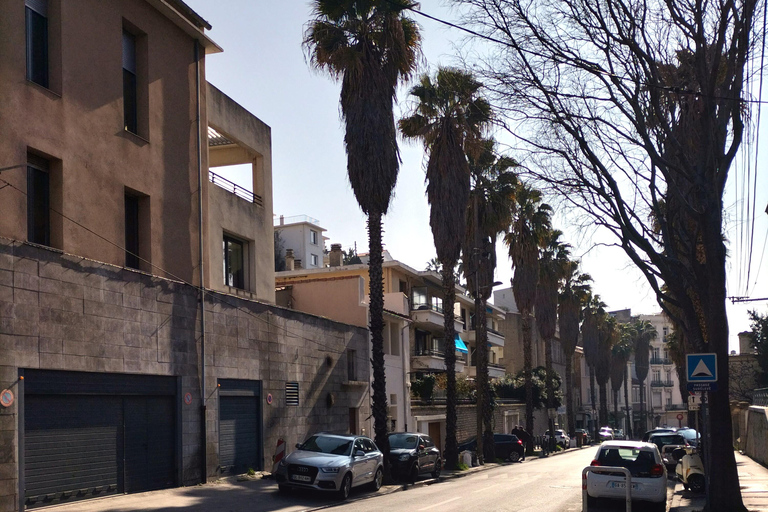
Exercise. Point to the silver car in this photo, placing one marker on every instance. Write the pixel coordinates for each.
(332, 462)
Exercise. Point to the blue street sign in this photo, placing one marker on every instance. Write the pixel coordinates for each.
(701, 368)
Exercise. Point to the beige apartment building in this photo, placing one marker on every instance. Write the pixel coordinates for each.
(413, 332)
(140, 344)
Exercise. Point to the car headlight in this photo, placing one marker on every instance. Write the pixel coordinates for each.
(282, 463)
(330, 470)
(404, 456)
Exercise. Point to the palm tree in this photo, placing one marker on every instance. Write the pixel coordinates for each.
(571, 300)
(371, 47)
(489, 214)
(530, 222)
(553, 265)
(607, 335)
(619, 357)
(590, 332)
(449, 119)
(625, 338)
(644, 333)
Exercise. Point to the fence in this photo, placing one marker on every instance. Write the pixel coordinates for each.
(760, 397)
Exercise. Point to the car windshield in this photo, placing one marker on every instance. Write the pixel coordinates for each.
(690, 434)
(400, 441)
(662, 440)
(638, 462)
(328, 444)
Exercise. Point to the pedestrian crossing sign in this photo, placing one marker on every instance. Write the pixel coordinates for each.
(701, 367)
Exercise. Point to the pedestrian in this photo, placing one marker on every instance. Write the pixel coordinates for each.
(524, 436)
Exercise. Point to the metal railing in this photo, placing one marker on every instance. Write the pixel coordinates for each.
(293, 219)
(612, 469)
(660, 360)
(234, 188)
(676, 407)
(760, 397)
(662, 384)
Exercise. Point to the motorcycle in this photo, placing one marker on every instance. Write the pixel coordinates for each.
(690, 468)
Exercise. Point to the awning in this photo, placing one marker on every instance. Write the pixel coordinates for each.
(460, 346)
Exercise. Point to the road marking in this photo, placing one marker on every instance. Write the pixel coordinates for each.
(441, 503)
(485, 488)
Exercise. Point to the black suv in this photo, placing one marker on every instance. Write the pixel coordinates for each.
(411, 454)
(508, 447)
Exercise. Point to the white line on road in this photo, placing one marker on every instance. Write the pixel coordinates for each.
(441, 503)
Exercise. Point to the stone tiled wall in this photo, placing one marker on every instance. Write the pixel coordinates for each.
(64, 312)
(466, 417)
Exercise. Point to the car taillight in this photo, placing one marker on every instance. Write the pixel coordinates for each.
(520, 442)
(594, 463)
(657, 470)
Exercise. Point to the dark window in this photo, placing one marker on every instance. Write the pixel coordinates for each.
(291, 393)
(234, 274)
(130, 90)
(38, 200)
(37, 41)
(132, 231)
(351, 370)
(313, 236)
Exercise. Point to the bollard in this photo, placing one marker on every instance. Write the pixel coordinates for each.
(627, 475)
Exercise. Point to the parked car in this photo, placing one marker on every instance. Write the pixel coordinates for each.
(331, 462)
(586, 438)
(618, 434)
(605, 434)
(667, 442)
(411, 454)
(657, 430)
(690, 435)
(508, 447)
(643, 460)
(561, 437)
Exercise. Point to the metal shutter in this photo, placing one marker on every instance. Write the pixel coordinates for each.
(238, 433)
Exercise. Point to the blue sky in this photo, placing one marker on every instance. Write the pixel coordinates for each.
(264, 69)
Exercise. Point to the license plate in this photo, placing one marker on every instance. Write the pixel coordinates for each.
(622, 485)
(301, 478)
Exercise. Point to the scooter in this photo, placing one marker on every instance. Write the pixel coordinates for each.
(689, 469)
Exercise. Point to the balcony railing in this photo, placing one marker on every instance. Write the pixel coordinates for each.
(676, 407)
(429, 351)
(660, 360)
(662, 383)
(760, 397)
(236, 189)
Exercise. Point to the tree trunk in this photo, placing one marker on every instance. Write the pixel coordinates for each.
(449, 298)
(627, 418)
(528, 375)
(615, 408)
(484, 410)
(643, 422)
(603, 414)
(594, 406)
(550, 391)
(376, 311)
(569, 395)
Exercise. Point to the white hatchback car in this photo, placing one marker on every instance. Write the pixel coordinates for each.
(643, 460)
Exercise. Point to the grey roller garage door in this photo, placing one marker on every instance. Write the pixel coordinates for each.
(239, 426)
(88, 435)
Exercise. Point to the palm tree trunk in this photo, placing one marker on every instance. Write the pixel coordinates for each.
(550, 391)
(569, 395)
(627, 419)
(643, 423)
(592, 397)
(376, 311)
(528, 375)
(615, 408)
(449, 298)
(603, 404)
(484, 411)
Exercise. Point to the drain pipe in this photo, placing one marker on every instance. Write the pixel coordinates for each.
(203, 429)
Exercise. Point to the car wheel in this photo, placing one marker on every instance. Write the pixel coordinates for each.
(413, 474)
(696, 482)
(514, 456)
(346, 487)
(377, 480)
(438, 468)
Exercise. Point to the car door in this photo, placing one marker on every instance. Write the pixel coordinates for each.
(359, 463)
(371, 458)
(431, 454)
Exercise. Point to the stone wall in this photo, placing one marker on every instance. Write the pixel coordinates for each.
(466, 417)
(64, 312)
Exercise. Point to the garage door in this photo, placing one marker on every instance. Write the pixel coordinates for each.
(79, 445)
(239, 426)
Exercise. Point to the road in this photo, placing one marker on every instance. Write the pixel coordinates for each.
(544, 485)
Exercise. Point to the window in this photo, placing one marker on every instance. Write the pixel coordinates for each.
(313, 260)
(291, 393)
(656, 376)
(351, 368)
(130, 85)
(132, 231)
(37, 41)
(313, 237)
(234, 262)
(38, 200)
(419, 298)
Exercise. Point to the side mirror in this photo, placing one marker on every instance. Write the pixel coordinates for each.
(298, 446)
(421, 447)
(359, 453)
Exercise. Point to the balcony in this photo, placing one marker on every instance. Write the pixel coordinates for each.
(430, 318)
(235, 189)
(396, 302)
(659, 360)
(495, 371)
(494, 337)
(676, 407)
(432, 358)
(662, 384)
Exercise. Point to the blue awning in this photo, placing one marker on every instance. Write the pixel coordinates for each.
(460, 346)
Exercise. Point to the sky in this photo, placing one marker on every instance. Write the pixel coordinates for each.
(263, 67)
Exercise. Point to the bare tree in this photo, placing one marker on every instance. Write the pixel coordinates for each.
(634, 109)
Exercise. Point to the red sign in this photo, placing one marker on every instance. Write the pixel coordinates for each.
(188, 398)
(680, 416)
(6, 398)
(269, 398)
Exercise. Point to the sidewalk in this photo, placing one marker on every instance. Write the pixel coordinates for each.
(754, 489)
